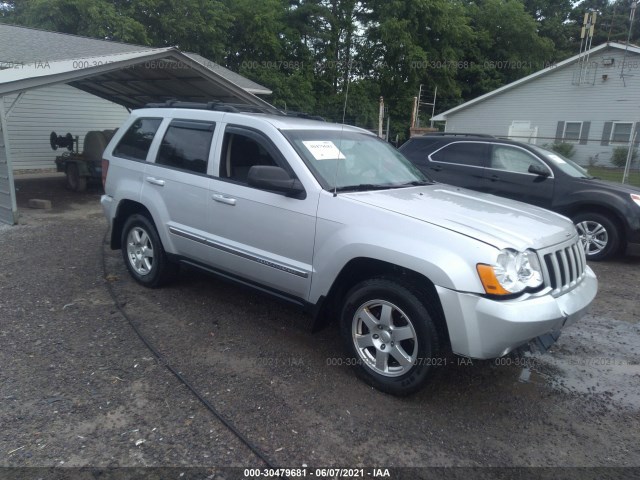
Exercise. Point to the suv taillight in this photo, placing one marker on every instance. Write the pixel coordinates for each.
(105, 169)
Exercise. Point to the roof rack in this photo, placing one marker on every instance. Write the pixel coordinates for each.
(230, 107)
(454, 134)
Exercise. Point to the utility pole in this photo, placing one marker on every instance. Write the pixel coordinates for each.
(630, 153)
(414, 112)
(380, 117)
(418, 109)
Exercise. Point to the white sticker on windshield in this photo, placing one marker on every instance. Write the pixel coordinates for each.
(556, 158)
(324, 150)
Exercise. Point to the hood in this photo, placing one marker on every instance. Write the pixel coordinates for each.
(608, 185)
(494, 220)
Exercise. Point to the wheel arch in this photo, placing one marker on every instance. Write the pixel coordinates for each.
(364, 268)
(126, 208)
(608, 212)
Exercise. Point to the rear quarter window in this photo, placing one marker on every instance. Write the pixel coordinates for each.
(135, 143)
(467, 153)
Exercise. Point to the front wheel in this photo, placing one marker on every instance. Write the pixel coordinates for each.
(599, 235)
(389, 334)
(143, 253)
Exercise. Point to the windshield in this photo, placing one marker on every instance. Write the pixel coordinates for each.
(563, 163)
(352, 160)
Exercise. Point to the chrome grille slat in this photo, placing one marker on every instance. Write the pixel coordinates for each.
(556, 272)
(576, 260)
(565, 267)
(564, 272)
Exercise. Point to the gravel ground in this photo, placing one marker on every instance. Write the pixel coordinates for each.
(78, 388)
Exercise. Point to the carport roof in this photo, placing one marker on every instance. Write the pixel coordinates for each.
(26, 46)
(131, 79)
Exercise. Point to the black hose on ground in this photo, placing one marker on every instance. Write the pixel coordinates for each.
(175, 372)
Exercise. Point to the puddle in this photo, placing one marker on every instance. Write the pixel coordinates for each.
(597, 356)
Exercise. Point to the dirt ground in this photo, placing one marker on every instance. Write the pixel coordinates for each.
(79, 389)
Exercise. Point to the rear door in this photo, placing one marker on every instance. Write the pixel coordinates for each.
(459, 163)
(176, 186)
(508, 175)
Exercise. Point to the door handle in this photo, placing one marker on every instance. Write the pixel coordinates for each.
(436, 168)
(218, 197)
(155, 181)
(494, 178)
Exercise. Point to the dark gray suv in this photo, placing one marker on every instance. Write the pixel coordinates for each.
(606, 214)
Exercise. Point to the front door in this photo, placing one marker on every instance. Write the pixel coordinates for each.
(264, 237)
(508, 176)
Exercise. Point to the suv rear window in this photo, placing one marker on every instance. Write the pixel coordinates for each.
(466, 153)
(418, 148)
(135, 143)
(186, 145)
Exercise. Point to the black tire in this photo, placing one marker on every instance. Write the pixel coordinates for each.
(75, 181)
(144, 254)
(412, 310)
(600, 235)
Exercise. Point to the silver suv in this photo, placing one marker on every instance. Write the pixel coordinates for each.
(334, 220)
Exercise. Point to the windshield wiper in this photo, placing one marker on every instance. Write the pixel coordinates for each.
(417, 183)
(362, 187)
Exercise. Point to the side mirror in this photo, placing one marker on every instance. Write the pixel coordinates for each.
(275, 178)
(538, 170)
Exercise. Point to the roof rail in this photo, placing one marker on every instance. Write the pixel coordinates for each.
(454, 134)
(230, 107)
(214, 105)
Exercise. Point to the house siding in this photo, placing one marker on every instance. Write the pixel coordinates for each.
(553, 98)
(59, 108)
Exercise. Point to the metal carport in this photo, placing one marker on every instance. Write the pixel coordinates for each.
(129, 79)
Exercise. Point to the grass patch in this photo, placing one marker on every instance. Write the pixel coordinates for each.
(615, 175)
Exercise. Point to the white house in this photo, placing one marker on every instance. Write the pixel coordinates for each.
(590, 100)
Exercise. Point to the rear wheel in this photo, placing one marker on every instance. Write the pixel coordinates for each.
(389, 335)
(144, 255)
(75, 181)
(599, 235)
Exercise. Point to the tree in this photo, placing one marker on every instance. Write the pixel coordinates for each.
(506, 46)
(612, 22)
(554, 20)
(413, 43)
(198, 26)
(92, 18)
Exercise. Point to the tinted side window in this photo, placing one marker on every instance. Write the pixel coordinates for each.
(512, 159)
(470, 154)
(186, 145)
(135, 143)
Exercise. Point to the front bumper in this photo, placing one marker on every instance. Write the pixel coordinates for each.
(483, 328)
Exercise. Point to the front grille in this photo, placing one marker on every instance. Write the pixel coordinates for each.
(565, 268)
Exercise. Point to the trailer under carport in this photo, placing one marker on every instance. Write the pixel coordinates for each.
(129, 79)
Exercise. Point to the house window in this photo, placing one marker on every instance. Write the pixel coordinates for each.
(621, 132)
(572, 131)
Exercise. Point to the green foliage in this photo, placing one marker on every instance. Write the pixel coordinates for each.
(91, 18)
(308, 51)
(619, 156)
(564, 149)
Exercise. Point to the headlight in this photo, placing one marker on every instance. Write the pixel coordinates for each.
(511, 273)
(635, 198)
